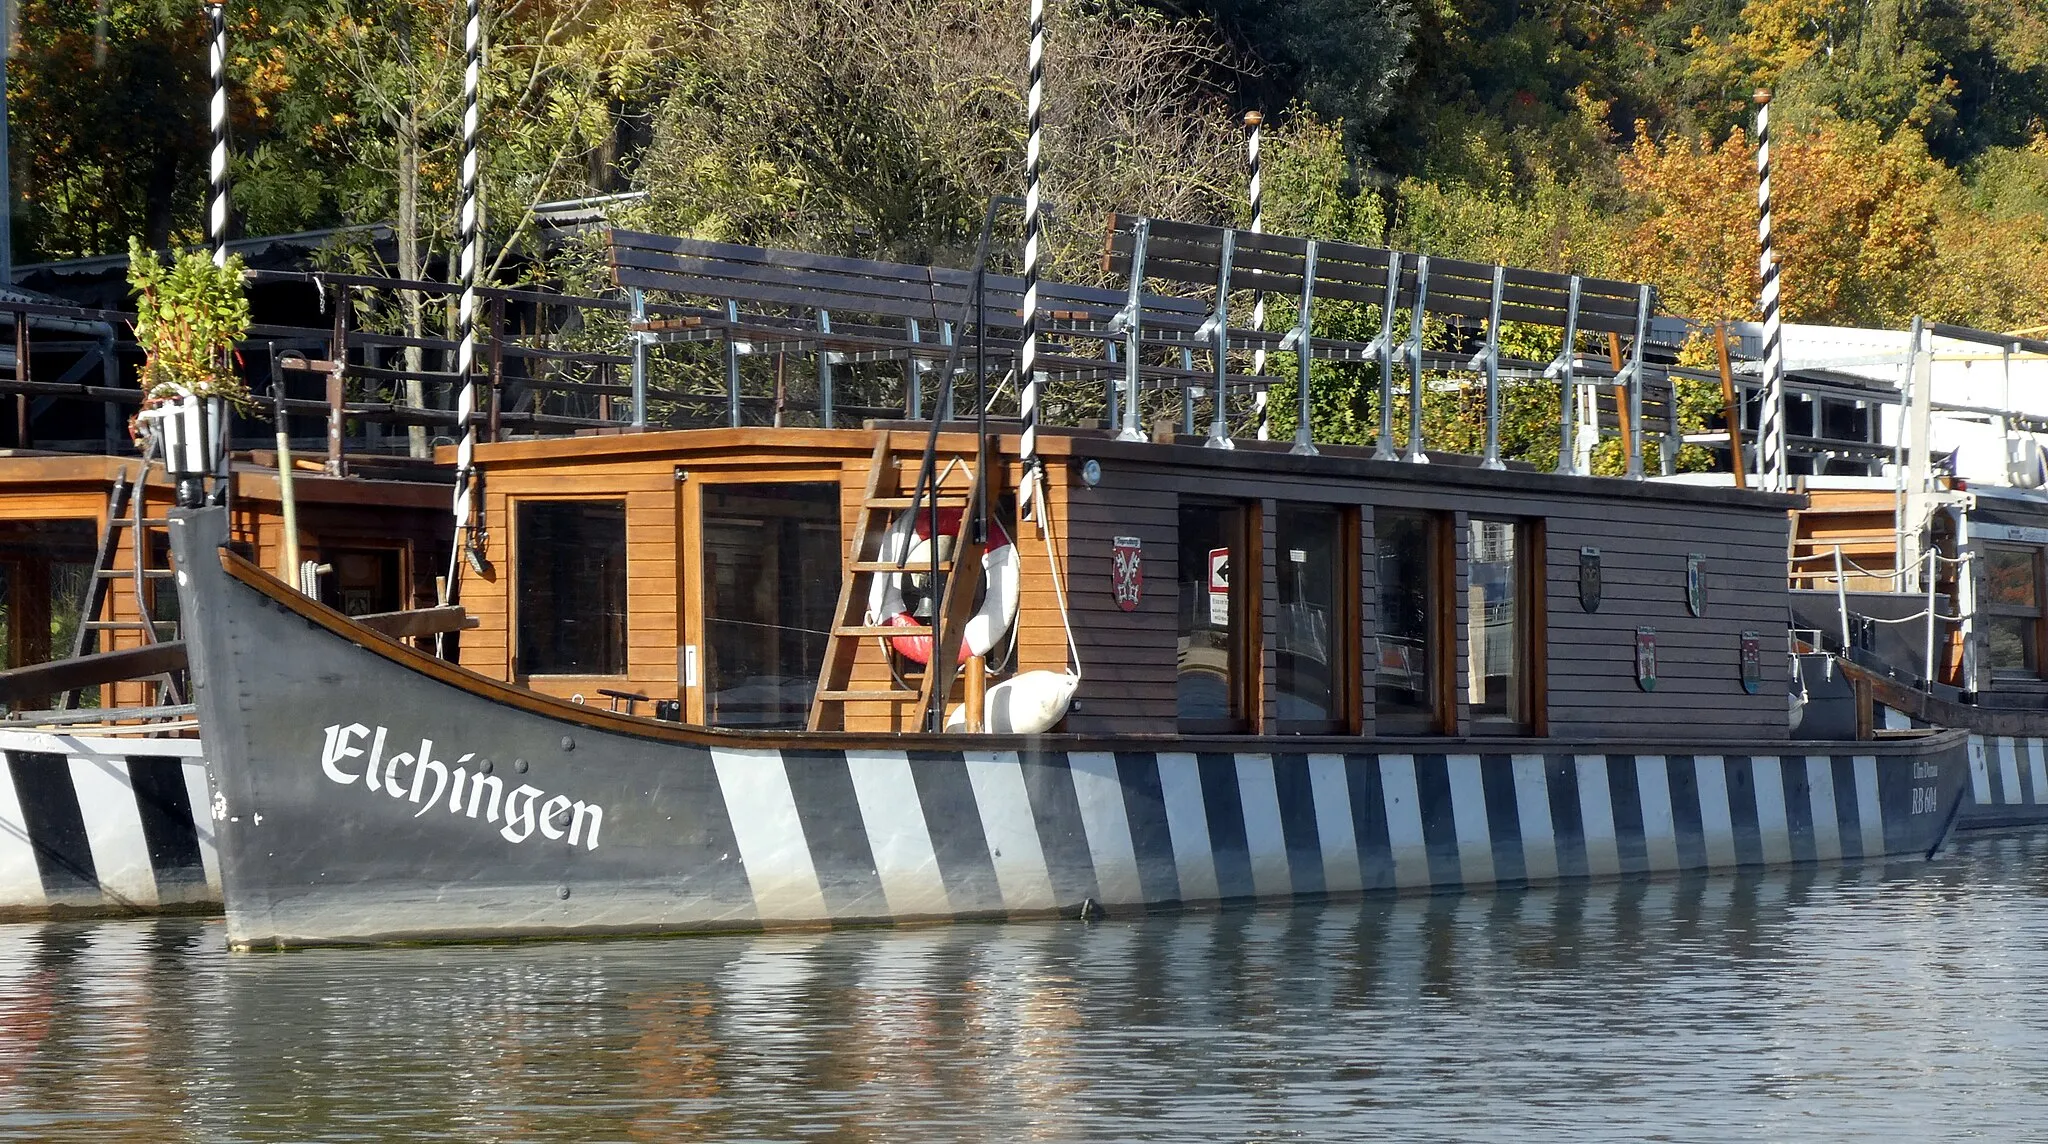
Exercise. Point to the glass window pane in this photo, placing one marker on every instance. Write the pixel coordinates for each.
(1494, 669)
(2009, 577)
(1210, 545)
(2009, 644)
(1403, 623)
(772, 568)
(571, 569)
(1306, 634)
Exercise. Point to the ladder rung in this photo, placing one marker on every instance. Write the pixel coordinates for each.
(121, 625)
(945, 500)
(881, 696)
(147, 521)
(883, 630)
(892, 566)
(124, 573)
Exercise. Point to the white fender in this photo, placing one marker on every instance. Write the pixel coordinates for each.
(1031, 703)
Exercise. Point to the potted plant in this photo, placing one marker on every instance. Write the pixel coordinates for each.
(188, 316)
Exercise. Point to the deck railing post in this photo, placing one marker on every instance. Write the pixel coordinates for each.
(1303, 341)
(732, 365)
(1132, 320)
(1383, 449)
(1415, 390)
(1219, 425)
(824, 371)
(1635, 387)
(1187, 393)
(942, 407)
(913, 392)
(640, 336)
(1489, 357)
(1112, 411)
(1562, 369)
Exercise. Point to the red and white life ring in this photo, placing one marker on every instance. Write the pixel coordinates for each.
(908, 541)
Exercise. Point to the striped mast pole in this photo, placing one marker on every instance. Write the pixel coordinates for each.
(1772, 463)
(1253, 121)
(1034, 231)
(217, 118)
(465, 352)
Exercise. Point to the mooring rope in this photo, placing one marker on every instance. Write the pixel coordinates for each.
(465, 353)
(1253, 123)
(217, 117)
(1034, 227)
(1772, 464)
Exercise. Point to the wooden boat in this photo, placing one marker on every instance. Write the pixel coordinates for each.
(1293, 672)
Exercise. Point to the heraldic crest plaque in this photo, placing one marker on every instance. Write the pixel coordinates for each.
(1127, 571)
(1589, 579)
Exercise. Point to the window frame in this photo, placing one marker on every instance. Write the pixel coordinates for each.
(1347, 706)
(516, 587)
(1529, 647)
(1441, 624)
(1246, 685)
(2037, 613)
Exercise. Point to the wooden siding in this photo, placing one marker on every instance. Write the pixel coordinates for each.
(1645, 530)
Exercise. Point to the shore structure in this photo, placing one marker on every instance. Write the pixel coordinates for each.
(707, 687)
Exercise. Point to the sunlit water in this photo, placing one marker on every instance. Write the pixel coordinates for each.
(1906, 1002)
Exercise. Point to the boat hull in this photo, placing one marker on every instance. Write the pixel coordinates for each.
(363, 798)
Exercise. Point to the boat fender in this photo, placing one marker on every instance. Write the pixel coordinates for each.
(908, 540)
(1028, 704)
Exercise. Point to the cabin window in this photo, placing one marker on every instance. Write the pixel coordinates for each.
(1497, 678)
(2011, 614)
(1312, 680)
(1214, 680)
(1408, 625)
(772, 566)
(571, 574)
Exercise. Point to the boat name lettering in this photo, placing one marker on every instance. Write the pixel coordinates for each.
(404, 776)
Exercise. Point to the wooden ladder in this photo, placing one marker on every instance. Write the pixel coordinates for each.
(129, 497)
(882, 502)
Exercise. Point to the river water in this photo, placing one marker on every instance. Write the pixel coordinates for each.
(1834, 1003)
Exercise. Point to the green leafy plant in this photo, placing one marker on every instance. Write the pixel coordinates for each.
(188, 317)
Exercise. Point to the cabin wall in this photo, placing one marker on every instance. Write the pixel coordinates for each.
(1587, 670)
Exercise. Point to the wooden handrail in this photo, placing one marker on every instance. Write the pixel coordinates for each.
(43, 679)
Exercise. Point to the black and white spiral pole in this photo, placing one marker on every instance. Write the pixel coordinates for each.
(1771, 462)
(465, 314)
(217, 119)
(1253, 122)
(1034, 230)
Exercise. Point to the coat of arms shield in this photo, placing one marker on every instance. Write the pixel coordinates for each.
(1127, 571)
(1646, 658)
(1752, 662)
(1696, 583)
(1589, 579)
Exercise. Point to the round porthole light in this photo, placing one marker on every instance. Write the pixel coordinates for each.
(1091, 472)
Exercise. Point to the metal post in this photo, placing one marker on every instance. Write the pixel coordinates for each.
(1187, 393)
(1383, 449)
(1304, 354)
(1415, 390)
(913, 392)
(1563, 369)
(1932, 555)
(824, 371)
(1635, 385)
(1112, 411)
(1842, 599)
(638, 298)
(1491, 354)
(732, 365)
(1219, 426)
(1132, 320)
(944, 410)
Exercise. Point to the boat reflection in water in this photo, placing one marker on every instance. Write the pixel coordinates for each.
(1862, 998)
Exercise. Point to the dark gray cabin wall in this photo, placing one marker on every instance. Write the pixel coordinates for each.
(1128, 658)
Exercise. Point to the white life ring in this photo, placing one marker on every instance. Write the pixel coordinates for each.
(908, 541)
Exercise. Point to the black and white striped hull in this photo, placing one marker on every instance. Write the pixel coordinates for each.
(2008, 778)
(92, 825)
(365, 792)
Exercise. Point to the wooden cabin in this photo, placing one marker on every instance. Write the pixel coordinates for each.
(1260, 593)
(376, 546)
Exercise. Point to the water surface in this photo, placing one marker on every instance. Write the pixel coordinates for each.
(1832, 1003)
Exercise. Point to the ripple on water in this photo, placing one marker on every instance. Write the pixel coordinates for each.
(1858, 1002)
